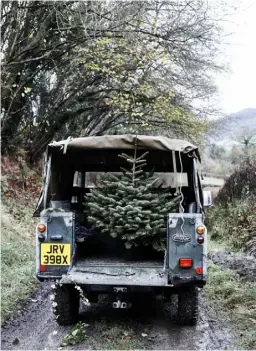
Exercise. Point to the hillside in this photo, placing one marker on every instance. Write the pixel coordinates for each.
(226, 130)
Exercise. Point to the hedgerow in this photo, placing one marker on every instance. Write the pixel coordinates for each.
(233, 216)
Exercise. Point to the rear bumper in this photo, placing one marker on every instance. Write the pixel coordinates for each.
(109, 272)
(125, 276)
(179, 280)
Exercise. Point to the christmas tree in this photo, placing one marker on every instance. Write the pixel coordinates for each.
(132, 205)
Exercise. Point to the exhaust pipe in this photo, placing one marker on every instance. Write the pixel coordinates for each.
(117, 304)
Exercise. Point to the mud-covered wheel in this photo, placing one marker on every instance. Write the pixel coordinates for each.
(66, 304)
(188, 306)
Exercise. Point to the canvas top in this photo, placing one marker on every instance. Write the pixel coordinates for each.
(125, 142)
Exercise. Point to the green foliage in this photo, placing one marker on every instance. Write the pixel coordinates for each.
(111, 335)
(132, 206)
(76, 336)
(233, 216)
(118, 338)
(220, 283)
(20, 188)
(239, 154)
(241, 184)
(18, 262)
(116, 333)
(235, 223)
(84, 68)
(237, 299)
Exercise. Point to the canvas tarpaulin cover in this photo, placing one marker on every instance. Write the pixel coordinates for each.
(100, 153)
(125, 142)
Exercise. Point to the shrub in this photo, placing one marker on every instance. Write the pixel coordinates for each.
(240, 184)
(233, 217)
(235, 222)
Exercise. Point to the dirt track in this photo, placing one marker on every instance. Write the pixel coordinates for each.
(35, 329)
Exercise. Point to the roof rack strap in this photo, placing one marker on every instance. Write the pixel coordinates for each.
(175, 171)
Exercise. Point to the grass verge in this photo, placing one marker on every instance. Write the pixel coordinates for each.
(17, 258)
(218, 246)
(227, 293)
(20, 185)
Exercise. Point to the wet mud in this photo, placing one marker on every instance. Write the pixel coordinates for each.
(34, 328)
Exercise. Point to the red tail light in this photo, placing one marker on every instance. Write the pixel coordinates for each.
(199, 270)
(42, 268)
(185, 262)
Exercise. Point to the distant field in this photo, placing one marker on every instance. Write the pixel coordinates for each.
(211, 181)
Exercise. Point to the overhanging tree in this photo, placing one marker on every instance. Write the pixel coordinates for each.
(82, 68)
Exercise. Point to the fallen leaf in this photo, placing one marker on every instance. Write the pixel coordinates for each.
(144, 335)
(16, 341)
(74, 333)
(54, 332)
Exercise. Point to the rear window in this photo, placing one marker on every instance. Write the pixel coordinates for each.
(169, 180)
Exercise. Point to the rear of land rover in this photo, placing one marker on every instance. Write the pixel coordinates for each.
(87, 264)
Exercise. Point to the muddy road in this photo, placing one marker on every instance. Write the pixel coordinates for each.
(34, 328)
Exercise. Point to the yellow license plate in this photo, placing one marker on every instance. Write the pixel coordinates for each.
(55, 254)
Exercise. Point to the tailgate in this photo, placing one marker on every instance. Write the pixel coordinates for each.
(116, 275)
(183, 244)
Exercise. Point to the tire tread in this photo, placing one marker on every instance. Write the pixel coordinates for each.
(67, 309)
(188, 306)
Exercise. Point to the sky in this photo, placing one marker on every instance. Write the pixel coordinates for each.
(237, 89)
